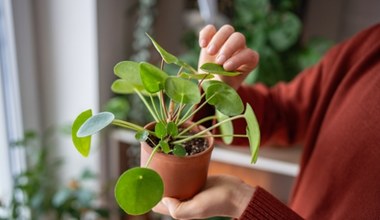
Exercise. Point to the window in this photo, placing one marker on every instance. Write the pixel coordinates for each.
(11, 159)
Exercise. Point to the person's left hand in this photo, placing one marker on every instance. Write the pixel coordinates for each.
(222, 196)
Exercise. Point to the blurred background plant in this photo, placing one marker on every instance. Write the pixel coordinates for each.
(274, 29)
(37, 193)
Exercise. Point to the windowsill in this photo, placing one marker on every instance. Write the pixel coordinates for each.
(276, 160)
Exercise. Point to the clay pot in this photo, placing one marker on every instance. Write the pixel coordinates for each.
(183, 177)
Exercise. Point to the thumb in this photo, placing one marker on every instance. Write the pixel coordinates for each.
(172, 205)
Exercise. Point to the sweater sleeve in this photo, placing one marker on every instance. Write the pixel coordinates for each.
(284, 111)
(265, 206)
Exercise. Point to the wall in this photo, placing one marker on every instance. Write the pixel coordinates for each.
(66, 50)
(340, 19)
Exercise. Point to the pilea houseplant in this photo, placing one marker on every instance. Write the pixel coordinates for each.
(172, 141)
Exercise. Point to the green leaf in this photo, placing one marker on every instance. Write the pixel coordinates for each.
(166, 56)
(95, 123)
(223, 97)
(253, 132)
(160, 130)
(82, 144)
(138, 190)
(87, 174)
(61, 197)
(179, 151)
(172, 129)
(217, 69)
(142, 135)
(182, 90)
(170, 58)
(285, 31)
(122, 86)
(152, 77)
(130, 71)
(226, 128)
(164, 146)
(197, 76)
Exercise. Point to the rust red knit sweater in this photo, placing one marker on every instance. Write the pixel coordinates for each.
(333, 110)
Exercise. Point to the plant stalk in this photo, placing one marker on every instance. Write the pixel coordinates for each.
(207, 129)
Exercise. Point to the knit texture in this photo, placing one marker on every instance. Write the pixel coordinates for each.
(265, 206)
(333, 110)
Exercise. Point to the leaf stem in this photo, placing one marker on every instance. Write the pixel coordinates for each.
(192, 111)
(155, 108)
(197, 123)
(219, 135)
(207, 129)
(125, 124)
(151, 155)
(147, 105)
(163, 106)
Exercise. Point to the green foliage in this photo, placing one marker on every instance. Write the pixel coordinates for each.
(81, 143)
(36, 191)
(253, 132)
(171, 101)
(274, 30)
(217, 69)
(138, 190)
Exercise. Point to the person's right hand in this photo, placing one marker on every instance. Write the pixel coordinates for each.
(227, 48)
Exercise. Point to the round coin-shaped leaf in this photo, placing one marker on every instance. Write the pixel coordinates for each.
(182, 90)
(138, 190)
(152, 77)
(224, 98)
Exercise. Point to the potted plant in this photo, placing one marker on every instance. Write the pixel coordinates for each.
(170, 142)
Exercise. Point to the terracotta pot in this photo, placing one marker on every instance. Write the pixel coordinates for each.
(183, 176)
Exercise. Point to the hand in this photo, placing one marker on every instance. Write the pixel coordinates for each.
(222, 196)
(228, 48)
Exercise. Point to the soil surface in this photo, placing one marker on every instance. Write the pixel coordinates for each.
(192, 146)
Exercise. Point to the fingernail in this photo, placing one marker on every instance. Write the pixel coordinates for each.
(165, 202)
(220, 58)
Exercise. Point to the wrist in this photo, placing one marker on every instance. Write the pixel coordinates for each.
(242, 197)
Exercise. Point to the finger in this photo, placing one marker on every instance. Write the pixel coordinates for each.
(244, 61)
(219, 38)
(233, 44)
(206, 34)
(174, 208)
(161, 208)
